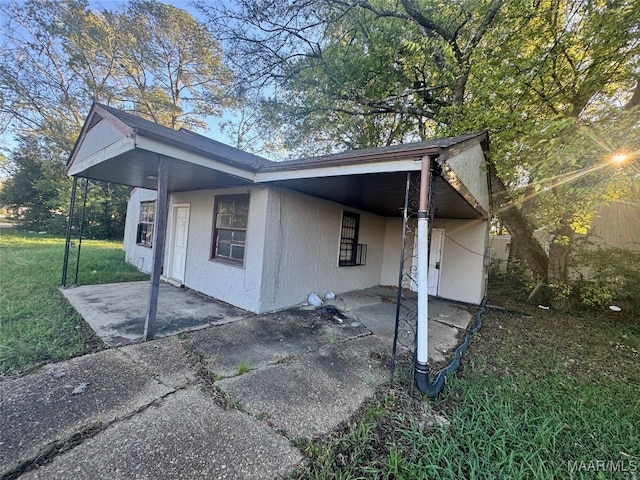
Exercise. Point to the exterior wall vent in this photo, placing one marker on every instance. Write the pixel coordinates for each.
(94, 121)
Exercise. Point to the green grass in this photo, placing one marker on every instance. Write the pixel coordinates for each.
(243, 368)
(541, 395)
(37, 324)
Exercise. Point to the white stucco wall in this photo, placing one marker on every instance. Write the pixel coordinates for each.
(292, 249)
(235, 284)
(302, 246)
(463, 273)
(136, 255)
(470, 167)
(392, 247)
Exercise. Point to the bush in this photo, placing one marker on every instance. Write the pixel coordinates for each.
(608, 275)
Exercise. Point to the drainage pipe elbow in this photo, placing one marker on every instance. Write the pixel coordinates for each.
(432, 388)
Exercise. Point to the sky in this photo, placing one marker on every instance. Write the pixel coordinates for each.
(214, 131)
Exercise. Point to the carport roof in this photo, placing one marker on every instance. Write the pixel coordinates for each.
(368, 179)
(182, 138)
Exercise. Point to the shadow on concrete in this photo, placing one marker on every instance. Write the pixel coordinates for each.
(117, 311)
(219, 402)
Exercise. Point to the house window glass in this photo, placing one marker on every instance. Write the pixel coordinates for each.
(230, 232)
(144, 236)
(351, 252)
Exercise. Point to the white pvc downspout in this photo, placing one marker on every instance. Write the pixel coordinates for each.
(422, 334)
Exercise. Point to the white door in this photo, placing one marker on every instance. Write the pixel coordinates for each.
(179, 242)
(435, 259)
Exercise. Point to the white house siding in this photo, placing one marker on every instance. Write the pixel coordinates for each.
(463, 272)
(392, 247)
(237, 285)
(470, 167)
(302, 245)
(135, 254)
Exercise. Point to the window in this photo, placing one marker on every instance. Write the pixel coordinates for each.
(144, 236)
(351, 252)
(231, 215)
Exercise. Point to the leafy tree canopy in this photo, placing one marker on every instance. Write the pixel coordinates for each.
(555, 82)
(57, 56)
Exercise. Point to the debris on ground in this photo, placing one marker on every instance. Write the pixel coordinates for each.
(314, 299)
(331, 313)
(80, 389)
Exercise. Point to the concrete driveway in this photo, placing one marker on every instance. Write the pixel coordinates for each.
(224, 401)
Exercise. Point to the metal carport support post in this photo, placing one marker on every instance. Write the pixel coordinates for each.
(422, 331)
(67, 243)
(158, 247)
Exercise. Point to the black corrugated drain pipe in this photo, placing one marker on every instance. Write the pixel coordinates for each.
(432, 388)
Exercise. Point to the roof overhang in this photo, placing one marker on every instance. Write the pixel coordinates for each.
(138, 167)
(383, 193)
(126, 150)
(113, 151)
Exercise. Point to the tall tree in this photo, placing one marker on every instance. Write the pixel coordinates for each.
(58, 56)
(537, 75)
(170, 65)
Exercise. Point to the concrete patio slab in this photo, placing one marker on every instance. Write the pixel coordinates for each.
(380, 319)
(376, 309)
(312, 395)
(269, 339)
(186, 436)
(117, 311)
(153, 409)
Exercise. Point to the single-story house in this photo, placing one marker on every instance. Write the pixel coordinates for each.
(263, 235)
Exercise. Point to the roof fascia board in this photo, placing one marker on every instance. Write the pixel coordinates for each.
(123, 145)
(162, 148)
(335, 170)
(454, 181)
(353, 158)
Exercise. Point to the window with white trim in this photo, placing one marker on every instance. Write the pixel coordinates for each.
(230, 232)
(144, 235)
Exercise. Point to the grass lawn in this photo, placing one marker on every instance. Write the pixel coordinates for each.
(37, 324)
(540, 395)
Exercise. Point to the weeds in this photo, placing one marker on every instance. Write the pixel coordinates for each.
(540, 394)
(243, 367)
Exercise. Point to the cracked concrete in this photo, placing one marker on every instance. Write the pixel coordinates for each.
(177, 407)
(186, 436)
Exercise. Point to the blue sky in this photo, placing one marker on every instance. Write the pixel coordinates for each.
(214, 131)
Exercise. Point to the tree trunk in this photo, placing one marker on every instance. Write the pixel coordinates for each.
(559, 251)
(524, 245)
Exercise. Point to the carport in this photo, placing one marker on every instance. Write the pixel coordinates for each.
(418, 186)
